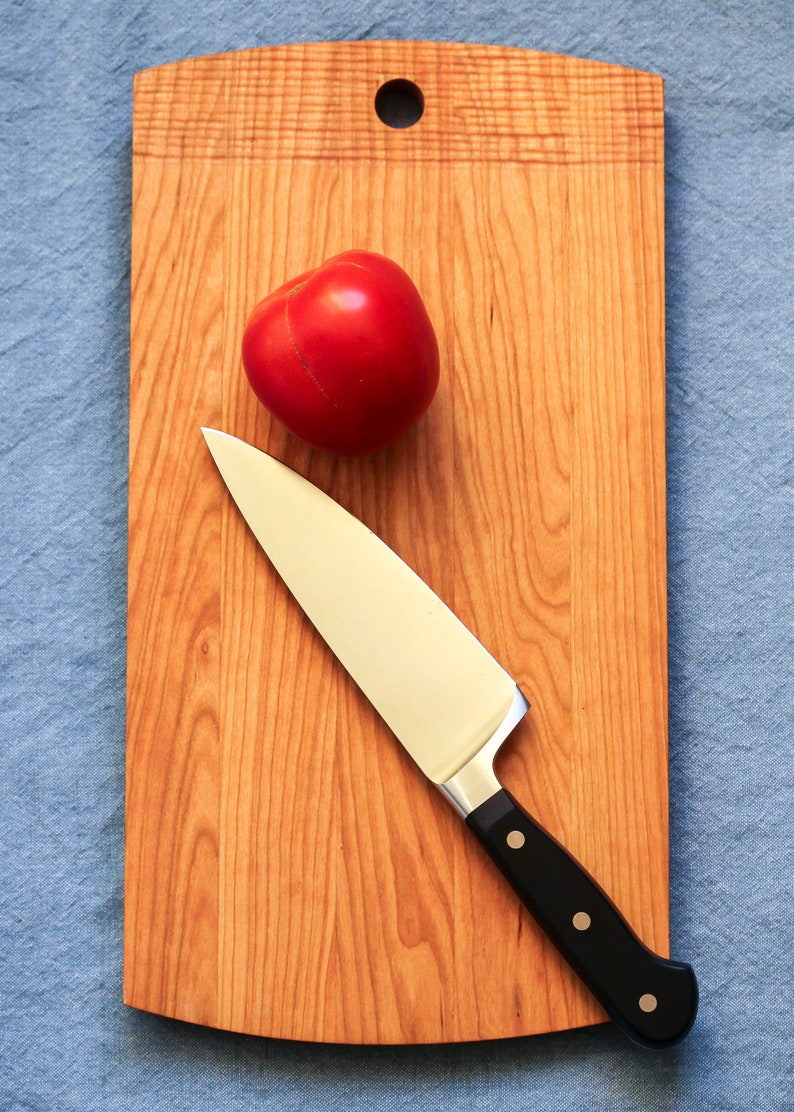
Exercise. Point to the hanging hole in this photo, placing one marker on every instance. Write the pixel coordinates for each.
(399, 103)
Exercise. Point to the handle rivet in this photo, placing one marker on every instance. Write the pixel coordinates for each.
(581, 920)
(515, 839)
(648, 1002)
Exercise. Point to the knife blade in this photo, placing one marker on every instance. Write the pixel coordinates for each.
(451, 705)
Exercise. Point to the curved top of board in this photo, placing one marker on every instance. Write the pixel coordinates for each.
(481, 103)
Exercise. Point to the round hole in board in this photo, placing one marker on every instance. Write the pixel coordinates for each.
(399, 103)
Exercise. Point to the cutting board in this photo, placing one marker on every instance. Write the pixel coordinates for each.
(288, 871)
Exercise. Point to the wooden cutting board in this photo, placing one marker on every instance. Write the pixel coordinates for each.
(288, 871)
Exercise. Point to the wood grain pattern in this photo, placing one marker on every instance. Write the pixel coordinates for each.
(288, 871)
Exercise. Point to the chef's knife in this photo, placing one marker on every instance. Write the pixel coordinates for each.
(451, 705)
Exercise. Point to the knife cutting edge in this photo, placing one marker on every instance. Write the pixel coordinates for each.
(395, 636)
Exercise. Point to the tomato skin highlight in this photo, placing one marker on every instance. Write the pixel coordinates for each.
(345, 355)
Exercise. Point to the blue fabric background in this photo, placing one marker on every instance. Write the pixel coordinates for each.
(67, 1042)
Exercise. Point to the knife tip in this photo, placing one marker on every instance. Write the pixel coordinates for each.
(212, 438)
(212, 434)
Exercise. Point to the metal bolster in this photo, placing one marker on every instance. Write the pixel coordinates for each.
(476, 781)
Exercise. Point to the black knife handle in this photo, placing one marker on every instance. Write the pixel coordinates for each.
(652, 1000)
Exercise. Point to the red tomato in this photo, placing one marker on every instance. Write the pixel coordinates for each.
(345, 355)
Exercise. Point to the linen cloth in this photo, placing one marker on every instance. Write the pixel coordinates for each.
(66, 1041)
